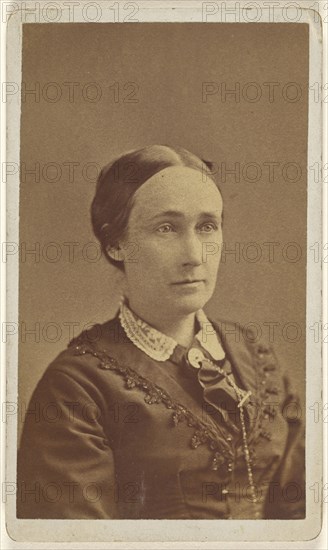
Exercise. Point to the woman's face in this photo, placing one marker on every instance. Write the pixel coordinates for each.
(173, 243)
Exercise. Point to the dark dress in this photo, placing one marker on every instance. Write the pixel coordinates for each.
(116, 434)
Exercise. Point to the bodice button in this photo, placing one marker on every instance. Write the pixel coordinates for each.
(195, 357)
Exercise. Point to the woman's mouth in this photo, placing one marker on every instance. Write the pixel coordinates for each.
(189, 282)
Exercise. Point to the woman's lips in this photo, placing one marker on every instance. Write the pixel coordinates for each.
(193, 282)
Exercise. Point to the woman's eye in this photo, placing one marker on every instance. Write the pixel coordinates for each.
(208, 227)
(165, 228)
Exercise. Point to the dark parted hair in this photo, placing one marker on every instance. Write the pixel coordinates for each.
(119, 180)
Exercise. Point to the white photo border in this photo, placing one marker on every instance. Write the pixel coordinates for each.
(124, 531)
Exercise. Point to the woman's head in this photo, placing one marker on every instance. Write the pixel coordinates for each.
(157, 215)
(120, 179)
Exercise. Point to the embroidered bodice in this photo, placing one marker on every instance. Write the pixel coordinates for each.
(159, 438)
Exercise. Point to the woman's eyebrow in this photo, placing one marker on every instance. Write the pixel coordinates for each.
(177, 214)
(172, 213)
(216, 214)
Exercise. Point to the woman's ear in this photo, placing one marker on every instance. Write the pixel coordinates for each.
(115, 253)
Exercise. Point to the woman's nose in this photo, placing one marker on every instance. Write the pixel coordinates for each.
(192, 249)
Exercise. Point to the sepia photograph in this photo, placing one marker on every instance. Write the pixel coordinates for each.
(163, 254)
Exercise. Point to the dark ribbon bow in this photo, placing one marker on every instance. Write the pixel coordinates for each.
(218, 393)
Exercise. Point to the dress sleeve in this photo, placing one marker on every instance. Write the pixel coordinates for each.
(65, 462)
(287, 496)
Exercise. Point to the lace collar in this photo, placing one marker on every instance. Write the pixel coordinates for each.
(159, 346)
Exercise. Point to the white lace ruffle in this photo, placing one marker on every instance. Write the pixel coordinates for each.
(159, 346)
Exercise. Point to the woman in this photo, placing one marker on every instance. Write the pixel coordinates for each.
(161, 413)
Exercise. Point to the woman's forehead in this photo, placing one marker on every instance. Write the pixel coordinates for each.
(178, 188)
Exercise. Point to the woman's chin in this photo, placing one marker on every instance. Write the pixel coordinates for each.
(190, 304)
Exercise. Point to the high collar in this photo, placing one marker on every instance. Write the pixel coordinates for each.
(159, 346)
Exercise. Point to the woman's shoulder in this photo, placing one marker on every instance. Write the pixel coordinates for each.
(89, 350)
(245, 340)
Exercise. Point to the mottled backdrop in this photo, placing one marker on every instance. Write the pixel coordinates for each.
(100, 89)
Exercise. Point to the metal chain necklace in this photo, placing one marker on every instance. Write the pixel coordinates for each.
(242, 396)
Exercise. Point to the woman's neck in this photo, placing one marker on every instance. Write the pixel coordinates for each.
(181, 329)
